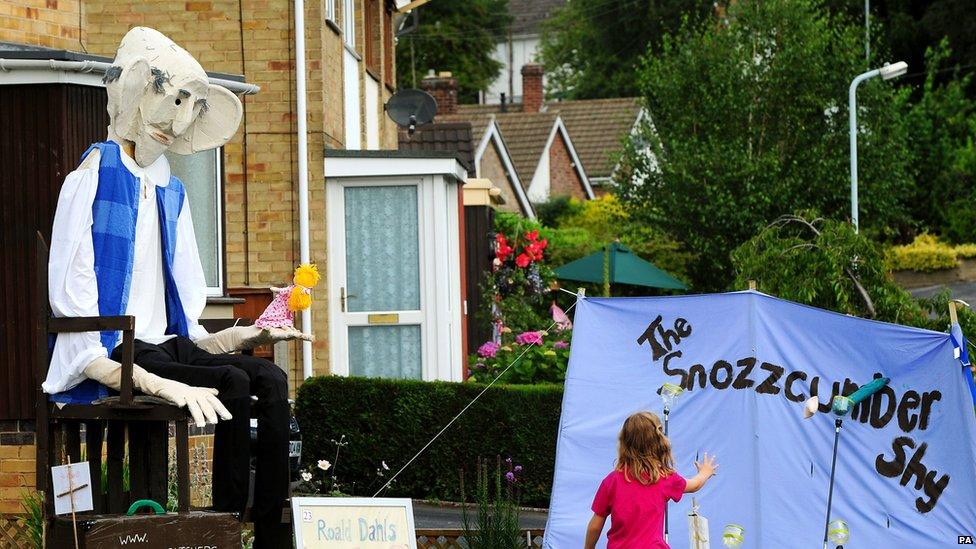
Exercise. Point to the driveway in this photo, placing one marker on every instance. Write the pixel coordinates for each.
(431, 516)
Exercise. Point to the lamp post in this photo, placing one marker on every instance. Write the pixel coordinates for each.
(886, 72)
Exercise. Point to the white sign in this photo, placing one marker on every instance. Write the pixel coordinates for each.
(72, 488)
(353, 523)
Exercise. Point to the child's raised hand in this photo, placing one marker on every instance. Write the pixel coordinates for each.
(707, 465)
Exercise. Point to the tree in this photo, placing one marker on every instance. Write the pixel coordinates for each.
(824, 263)
(591, 48)
(907, 28)
(457, 37)
(942, 123)
(750, 122)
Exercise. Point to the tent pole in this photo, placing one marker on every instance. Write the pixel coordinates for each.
(667, 413)
(833, 467)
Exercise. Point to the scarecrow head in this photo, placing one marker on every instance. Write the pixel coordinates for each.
(160, 98)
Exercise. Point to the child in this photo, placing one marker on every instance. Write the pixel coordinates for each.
(636, 492)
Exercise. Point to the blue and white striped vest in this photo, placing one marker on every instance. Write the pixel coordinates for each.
(114, 213)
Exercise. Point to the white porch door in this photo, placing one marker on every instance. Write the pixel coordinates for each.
(377, 251)
(395, 307)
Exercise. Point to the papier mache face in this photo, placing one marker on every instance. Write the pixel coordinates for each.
(160, 98)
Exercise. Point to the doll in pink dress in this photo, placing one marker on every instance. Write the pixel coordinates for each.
(290, 299)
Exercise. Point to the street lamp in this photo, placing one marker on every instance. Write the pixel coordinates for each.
(886, 72)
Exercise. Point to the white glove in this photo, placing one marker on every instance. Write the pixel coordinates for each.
(202, 402)
(238, 338)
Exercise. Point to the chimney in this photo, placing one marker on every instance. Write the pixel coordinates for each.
(532, 87)
(443, 86)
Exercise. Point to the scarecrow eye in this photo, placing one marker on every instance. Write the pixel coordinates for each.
(183, 94)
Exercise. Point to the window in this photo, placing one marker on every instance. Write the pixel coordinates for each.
(351, 101)
(349, 22)
(200, 174)
(372, 114)
(330, 13)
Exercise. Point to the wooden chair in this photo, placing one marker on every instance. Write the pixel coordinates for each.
(140, 421)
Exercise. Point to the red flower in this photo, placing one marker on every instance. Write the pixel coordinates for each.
(502, 249)
(522, 260)
(532, 236)
(534, 251)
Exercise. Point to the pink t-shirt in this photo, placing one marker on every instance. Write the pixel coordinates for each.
(636, 510)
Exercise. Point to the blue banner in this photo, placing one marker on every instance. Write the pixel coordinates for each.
(906, 463)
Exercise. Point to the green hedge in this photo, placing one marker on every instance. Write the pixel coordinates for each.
(389, 420)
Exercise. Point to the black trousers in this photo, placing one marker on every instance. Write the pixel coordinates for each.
(237, 377)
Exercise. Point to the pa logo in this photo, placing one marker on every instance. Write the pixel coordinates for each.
(965, 540)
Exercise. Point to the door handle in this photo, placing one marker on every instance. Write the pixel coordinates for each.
(343, 297)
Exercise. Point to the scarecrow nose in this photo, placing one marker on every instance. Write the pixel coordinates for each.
(184, 117)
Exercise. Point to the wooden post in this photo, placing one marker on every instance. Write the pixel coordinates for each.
(71, 499)
(752, 285)
(954, 319)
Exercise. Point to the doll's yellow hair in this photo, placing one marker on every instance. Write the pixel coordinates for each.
(307, 275)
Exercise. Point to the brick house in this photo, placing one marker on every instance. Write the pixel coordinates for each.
(541, 149)
(246, 214)
(492, 158)
(518, 48)
(598, 128)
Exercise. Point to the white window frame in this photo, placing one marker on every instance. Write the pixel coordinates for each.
(352, 102)
(218, 290)
(330, 11)
(349, 23)
(372, 112)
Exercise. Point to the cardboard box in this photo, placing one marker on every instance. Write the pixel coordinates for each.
(197, 529)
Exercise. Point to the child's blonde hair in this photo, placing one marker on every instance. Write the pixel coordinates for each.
(644, 453)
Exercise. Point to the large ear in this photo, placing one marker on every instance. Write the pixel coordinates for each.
(125, 86)
(218, 124)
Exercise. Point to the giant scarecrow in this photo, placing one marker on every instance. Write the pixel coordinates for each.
(123, 244)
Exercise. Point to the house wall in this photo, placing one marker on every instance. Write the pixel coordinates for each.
(254, 38)
(524, 49)
(492, 167)
(249, 37)
(49, 23)
(564, 179)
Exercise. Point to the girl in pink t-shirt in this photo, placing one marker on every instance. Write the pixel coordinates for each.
(634, 495)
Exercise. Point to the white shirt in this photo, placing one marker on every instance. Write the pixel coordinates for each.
(72, 285)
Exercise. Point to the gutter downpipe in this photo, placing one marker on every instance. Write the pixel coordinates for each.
(303, 236)
(99, 67)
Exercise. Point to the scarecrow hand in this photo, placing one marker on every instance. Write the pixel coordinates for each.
(239, 338)
(270, 336)
(202, 402)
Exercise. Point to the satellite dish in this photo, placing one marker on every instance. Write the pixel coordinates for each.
(411, 108)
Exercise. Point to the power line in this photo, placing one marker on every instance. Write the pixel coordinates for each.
(465, 409)
(589, 12)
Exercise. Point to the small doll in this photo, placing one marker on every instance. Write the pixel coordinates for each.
(290, 299)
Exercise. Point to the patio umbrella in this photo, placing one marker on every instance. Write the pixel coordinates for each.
(617, 264)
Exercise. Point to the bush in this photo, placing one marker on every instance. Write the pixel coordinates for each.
(966, 251)
(925, 254)
(569, 244)
(389, 420)
(544, 361)
(552, 212)
(961, 220)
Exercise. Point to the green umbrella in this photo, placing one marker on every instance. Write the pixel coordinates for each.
(617, 264)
